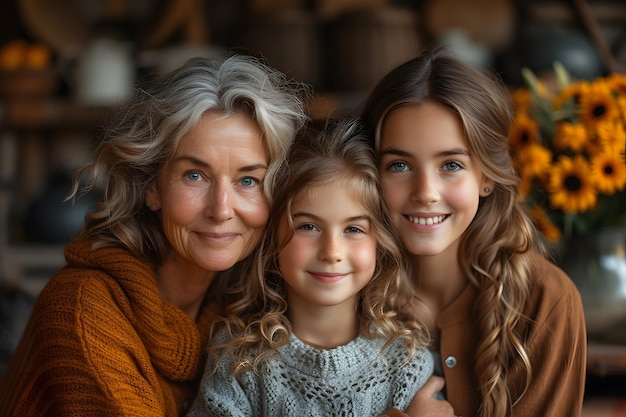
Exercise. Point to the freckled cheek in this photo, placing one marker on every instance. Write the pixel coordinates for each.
(182, 208)
(294, 255)
(363, 256)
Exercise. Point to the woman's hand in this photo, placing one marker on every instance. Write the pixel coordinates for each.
(424, 404)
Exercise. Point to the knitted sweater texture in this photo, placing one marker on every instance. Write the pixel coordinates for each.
(356, 379)
(101, 342)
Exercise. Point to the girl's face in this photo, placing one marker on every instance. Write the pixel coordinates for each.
(210, 195)
(332, 254)
(430, 182)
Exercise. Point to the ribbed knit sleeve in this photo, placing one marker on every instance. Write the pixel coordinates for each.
(101, 342)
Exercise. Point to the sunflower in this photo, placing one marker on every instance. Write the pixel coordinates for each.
(597, 104)
(569, 135)
(522, 99)
(612, 135)
(523, 131)
(544, 225)
(608, 172)
(620, 102)
(572, 93)
(617, 83)
(525, 186)
(534, 161)
(569, 149)
(570, 187)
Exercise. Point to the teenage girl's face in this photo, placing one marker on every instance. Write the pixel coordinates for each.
(430, 182)
(332, 254)
(210, 195)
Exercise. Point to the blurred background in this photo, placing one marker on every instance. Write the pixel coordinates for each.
(65, 65)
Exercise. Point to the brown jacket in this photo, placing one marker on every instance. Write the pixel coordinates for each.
(556, 343)
(101, 342)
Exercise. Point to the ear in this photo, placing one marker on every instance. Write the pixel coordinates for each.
(486, 187)
(153, 196)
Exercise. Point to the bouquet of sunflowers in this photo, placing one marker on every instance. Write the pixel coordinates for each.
(568, 147)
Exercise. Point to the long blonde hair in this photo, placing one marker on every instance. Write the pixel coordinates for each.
(494, 250)
(256, 319)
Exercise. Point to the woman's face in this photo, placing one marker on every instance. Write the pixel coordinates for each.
(210, 194)
(430, 181)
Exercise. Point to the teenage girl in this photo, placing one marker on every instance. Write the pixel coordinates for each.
(507, 325)
(315, 329)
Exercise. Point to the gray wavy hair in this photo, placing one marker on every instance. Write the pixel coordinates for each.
(145, 137)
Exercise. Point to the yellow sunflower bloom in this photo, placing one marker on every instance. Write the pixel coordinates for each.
(525, 186)
(571, 92)
(608, 172)
(572, 136)
(544, 225)
(597, 104)
(523, 131)
(570, 186)
(569, 149)
(617, 83)
(620, 102)
(612, 135)
(534, 161)
(522, 99)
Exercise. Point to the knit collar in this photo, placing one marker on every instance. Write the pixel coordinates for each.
(172, 339)
(352, 358)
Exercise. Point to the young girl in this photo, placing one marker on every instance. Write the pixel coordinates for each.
(507, 323)
(315, 326)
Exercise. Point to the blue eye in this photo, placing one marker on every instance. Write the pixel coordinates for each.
(248, 181)
(398, 166)
(308, 226)
(354, 229)
(194, 176)
(452, 166)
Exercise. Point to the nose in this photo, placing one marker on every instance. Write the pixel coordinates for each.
(331, 249)
(424, 189)
(220, 201)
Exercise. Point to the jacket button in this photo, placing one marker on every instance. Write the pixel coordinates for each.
(450, 361)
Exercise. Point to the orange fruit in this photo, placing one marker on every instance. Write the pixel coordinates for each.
(12, 54)
(37, 56)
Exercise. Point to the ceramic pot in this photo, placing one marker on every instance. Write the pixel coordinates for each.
(597, 265)
(52, 220)
(543, 45)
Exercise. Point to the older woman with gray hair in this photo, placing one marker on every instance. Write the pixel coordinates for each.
(186, 174)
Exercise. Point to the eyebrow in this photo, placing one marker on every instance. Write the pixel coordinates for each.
(314, 217)
(447, 152)
(200, 162)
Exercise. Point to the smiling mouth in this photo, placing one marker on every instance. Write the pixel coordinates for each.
(427, 220)
(327, 277)
(218, 237)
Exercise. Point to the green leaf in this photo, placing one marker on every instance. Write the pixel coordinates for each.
(562, 76)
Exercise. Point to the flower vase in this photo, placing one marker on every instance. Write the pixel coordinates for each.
(597, 265)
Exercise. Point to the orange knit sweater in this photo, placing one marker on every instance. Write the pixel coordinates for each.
(100, 341)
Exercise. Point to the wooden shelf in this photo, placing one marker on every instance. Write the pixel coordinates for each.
(42, 113)
(29, 127)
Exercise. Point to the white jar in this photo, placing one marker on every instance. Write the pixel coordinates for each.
(105, 72)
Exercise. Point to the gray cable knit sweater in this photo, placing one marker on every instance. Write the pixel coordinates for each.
(350, 380)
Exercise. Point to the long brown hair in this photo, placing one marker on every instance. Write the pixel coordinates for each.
(494, 250)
